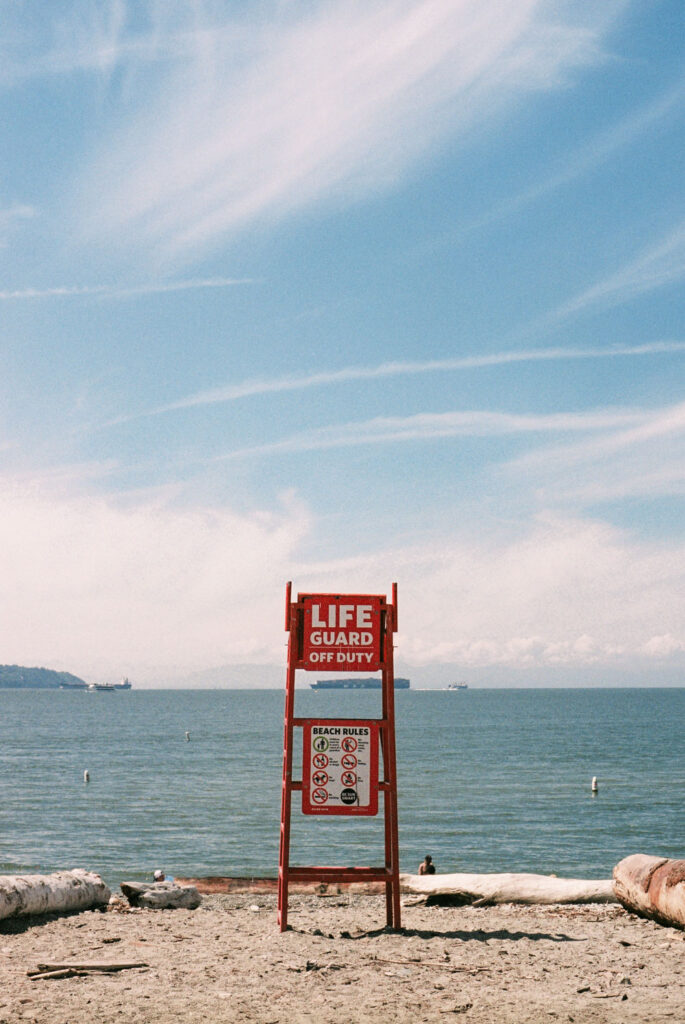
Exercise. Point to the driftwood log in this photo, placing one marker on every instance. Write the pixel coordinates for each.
(508, 888)
(161, 895)
(652, 887)
(61, 892)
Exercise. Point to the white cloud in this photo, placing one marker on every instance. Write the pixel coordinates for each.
(664, 646)
(334, 102)
(564, 592)
(97, 586)
(148, 589)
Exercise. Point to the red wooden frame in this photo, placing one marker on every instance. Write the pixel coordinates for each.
(389, 873)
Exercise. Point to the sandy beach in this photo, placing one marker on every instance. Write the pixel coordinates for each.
(227, 961)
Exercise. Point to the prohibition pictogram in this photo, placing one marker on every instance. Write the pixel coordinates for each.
(339, 767)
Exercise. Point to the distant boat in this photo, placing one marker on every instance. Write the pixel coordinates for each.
(367, 683)
(457, 686)
(109, 687)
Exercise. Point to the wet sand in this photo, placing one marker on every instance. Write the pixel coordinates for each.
(227, 961)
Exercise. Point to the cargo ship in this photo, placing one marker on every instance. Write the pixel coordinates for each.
(366, 683)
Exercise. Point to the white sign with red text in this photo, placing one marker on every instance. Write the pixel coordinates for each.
(340, 767)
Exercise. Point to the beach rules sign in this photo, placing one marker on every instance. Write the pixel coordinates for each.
(340, 767)
(341, 632)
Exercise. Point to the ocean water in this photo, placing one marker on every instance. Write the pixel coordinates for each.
(489, 780)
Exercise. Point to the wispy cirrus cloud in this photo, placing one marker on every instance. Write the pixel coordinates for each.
(658, 265)
(85, 37)
(644, 459)
(121, 292)
(351, 374)
(18, 211)
(594, 152)
(318, 102)
(97, 39)
(433, 426)
(11, 216)
(654, 425)
(623, 454)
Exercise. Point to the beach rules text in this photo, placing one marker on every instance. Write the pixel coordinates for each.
(340, 767)
(342, 632)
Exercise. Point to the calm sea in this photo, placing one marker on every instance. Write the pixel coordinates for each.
(489, 780)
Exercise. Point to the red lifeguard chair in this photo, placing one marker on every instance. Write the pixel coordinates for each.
(341, 757)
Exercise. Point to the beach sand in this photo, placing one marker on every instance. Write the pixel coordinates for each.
(227, 961)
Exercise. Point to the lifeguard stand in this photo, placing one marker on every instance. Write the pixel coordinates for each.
(333, 633)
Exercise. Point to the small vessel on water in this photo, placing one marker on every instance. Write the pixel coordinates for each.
(457, 686)
(125, 684)
(366, 683)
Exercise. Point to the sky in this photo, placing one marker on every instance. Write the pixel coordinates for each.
(343, 294)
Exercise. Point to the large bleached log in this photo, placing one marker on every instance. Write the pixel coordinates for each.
(161, 895)
(510, 888)
(61, 892)
(652, 887)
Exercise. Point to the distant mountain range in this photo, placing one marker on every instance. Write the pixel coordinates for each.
(16, 677)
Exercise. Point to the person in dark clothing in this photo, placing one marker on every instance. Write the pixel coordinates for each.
(427, 867)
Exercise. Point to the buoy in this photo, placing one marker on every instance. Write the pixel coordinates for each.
(594, 784)
(86, 776)
(187, 737)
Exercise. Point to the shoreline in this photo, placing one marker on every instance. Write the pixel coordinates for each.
(227, 962)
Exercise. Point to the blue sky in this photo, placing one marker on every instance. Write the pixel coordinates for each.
(344, 294)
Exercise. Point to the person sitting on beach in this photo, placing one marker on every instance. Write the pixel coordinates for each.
(158, 876)
(427, 867)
